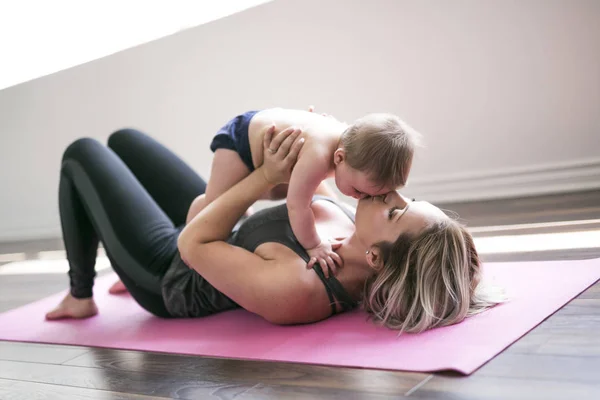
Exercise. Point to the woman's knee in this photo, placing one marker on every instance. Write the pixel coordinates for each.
(81, 148)
(123, 137)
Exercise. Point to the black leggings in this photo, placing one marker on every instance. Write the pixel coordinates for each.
(133, 196)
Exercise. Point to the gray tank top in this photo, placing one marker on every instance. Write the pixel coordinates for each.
(187, 294)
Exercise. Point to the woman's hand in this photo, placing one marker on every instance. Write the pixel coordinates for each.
(280, 154)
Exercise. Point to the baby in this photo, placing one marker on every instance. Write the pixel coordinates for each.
(370, 157)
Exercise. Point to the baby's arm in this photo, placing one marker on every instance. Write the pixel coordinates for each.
(310, 170)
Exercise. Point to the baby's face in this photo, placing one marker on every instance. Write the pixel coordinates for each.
(356, 184)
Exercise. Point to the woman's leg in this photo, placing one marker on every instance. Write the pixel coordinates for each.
(170, 182)
(174, 186)
(100, 199)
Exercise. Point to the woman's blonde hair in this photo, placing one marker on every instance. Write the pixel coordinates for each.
(428, 281)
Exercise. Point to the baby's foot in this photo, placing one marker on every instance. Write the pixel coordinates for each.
(72, 307)
(117, 288)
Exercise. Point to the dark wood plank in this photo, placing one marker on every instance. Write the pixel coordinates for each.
(583, 306)
(478, 387)
(586, 345)
(161, 385)
(559, 359)
(543, 366)
(284, 374)
(39, 353)
(572, 331)
(213, 380)
(565, 324)
(276, 392)
(560, 344)
(19, 390)
(592, 293)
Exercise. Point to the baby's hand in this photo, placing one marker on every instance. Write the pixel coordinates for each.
(325, 255)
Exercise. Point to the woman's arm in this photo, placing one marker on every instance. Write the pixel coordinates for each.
(216, 220)
(246, 278)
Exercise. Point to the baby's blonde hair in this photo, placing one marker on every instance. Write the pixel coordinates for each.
(381, 145)
(429, 281)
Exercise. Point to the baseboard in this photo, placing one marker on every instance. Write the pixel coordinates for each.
(533, 180)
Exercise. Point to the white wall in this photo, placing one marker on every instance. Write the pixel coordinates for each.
(506, 93)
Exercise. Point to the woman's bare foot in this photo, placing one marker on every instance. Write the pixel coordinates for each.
(117, 288)
(72, 307)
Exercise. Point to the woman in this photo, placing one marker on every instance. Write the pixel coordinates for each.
(410, 266)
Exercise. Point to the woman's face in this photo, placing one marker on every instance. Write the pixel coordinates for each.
(384, 218)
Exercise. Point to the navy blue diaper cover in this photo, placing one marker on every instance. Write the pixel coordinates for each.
(234, 136)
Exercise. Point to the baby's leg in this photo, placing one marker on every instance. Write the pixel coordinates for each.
(227, 170)
(197, 205)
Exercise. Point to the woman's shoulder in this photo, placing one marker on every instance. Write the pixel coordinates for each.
(304, 298)
(332, 209)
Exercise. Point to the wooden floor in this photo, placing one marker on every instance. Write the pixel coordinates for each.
(559, 359)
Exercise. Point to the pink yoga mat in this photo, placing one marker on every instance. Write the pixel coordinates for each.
(537, 290)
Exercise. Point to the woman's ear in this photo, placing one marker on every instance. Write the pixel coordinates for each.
(339, 156)
(374, 258)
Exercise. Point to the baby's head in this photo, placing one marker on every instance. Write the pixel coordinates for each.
(374, 156)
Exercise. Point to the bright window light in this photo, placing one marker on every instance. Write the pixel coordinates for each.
(539, 225)
(61, 254)
(11, 257)
(58, 266)
(538, 242)
(39, 37)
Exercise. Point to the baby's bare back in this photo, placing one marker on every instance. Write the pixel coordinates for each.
(321, 133)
